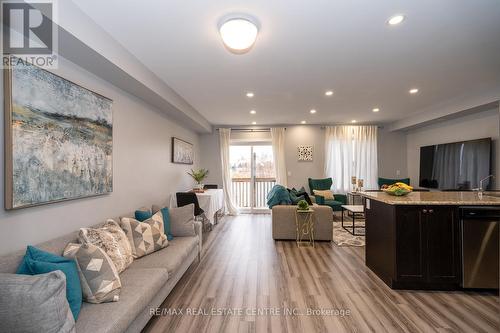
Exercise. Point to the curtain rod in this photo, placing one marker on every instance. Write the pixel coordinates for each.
(325, 126)
(264, 129)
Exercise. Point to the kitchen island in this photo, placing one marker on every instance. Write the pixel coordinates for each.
(414, 241)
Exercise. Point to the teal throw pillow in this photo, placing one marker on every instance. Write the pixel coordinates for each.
(142, 215)
(36, 262)
(166, 223)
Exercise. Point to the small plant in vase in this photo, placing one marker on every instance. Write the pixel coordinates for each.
(198, 176)
(302, 205)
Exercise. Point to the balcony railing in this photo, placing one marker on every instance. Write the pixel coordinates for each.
(242, 191)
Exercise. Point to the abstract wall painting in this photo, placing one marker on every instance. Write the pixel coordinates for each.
(59, 139)
(182, 151)
(305, 153)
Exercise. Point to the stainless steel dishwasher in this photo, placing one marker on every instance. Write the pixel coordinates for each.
(480, 246)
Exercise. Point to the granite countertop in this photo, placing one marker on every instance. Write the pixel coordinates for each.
(436, 198)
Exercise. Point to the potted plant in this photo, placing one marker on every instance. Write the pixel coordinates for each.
(198, 176)
(302, 205)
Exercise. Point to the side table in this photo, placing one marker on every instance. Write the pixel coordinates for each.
(304, 222)
(353, 209)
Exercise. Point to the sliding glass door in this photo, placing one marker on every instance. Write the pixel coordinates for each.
(252, 175)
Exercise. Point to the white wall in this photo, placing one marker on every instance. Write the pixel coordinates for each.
(480, 125)
(391, 153)
(142, 172)
(210, 158)
(301, 170)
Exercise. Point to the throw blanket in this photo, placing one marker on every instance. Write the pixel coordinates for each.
(278, 196)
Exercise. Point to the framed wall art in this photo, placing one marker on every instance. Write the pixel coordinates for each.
(182, 151)
(58, 139)
(305, 153)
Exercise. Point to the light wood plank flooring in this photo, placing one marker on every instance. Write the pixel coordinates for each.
(243, 269)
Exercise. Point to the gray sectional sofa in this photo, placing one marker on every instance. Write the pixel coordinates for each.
(145, 284)
(283, 217)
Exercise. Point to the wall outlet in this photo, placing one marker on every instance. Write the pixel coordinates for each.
(398, 172)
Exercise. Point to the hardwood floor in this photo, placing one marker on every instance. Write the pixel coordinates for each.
(243, 269)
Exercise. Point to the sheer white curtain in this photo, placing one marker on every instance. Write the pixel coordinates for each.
(278, 140)
(338, 157)
(351, 151)
(224, 143)
(365, 155)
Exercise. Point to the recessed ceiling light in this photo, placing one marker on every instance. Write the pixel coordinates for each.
(353, 121)
(396, 19)
(254, 123)
(250, 94)
(238, 34)
(328, 93)
(312, 111)
(413, 91)
(376, 110)
(303, 122)
(253, 112)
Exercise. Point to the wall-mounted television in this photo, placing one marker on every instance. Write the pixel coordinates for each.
(456, 165)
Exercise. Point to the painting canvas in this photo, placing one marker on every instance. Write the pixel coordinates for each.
(182, 152)
(59, 141)
(305, 153)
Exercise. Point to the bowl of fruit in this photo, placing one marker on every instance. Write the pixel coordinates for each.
(397, 189)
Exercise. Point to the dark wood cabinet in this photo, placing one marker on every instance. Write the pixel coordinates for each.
(420, 245)
(410, 244)
(443, 246)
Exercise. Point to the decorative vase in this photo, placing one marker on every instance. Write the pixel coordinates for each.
(198, 187)
(360, 185)
(353, 182)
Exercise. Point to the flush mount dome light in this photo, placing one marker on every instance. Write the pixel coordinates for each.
(238, 34)
(396, 19)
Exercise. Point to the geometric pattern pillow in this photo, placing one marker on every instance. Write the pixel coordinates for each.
(98, 275)
(145, 237)
(108, 243)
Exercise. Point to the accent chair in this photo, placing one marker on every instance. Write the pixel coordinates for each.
(326, 184)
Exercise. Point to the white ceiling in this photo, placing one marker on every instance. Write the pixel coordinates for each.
(446, 48)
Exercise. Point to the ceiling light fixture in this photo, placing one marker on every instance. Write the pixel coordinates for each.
(353, 121)
(413, 91)
(312, 111)
(254, 123)
(396, 19)
(238, 34)
(250, 94)
(328, 93)
(376, 110)
(253, 112)
(303, 122)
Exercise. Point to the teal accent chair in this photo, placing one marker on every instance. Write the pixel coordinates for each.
(326, 184)
(389, 181)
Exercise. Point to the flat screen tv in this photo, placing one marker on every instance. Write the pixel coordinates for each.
(456, 166)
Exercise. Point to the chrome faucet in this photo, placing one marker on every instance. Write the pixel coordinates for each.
(480, 188)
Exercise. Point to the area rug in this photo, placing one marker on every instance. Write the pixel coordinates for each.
(343, 238)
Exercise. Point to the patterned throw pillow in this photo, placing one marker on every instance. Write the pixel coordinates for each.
(327, 194)
(145, 237)
(114, 228)
(98, 275)
(104, 237)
